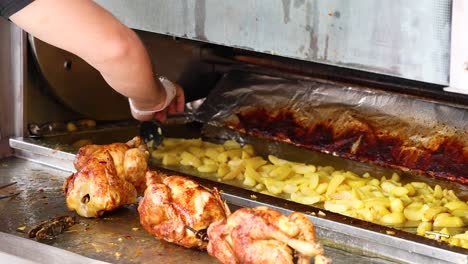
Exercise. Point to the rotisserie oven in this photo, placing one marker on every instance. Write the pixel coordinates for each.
(340, 127)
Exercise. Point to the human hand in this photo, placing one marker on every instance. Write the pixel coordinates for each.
(174, 103)
(177, 105)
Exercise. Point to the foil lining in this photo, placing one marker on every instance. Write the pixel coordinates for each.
(358, 123)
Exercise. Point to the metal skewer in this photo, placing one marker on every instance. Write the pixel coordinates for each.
(7, 185)
(10, 195)
(200, 234)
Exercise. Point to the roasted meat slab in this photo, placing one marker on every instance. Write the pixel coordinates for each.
(173, 205)
(107, 177)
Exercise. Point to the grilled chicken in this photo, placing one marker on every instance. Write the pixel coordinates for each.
(107, 177)
(262, 235)
(174, 206)
(130, 160)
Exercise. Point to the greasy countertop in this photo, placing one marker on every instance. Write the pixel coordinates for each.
(117, 237)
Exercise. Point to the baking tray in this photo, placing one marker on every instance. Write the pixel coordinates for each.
(116, 238)
(355, 237)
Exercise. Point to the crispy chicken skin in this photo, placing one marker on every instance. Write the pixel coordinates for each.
(130, 160)
(173, 203)
(107, 177)
(262, 235)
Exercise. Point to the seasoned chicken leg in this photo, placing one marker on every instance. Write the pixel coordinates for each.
(107, 177)
(174, 204)
(262, 235)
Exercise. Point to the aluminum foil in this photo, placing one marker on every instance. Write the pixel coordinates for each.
(238, 90)
(421, 124)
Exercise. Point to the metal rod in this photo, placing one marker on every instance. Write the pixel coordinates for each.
(200, 234)
(7, 185)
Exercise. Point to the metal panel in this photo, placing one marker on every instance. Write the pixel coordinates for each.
(409, 39)
(459, 52)
(12, 69)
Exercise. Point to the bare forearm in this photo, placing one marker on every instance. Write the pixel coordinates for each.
(84, 28)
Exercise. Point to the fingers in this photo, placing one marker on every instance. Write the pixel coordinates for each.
(160, 116)
(172, 107)
(180, 99)
(178, 104)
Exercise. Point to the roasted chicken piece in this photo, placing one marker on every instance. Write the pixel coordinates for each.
(107, 177)
(130, 160)
(174, 206)
(262, 235)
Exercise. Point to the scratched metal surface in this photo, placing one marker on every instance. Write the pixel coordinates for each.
(111, 238)
(410, 39)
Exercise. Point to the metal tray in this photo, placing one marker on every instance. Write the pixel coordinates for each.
(344, 237)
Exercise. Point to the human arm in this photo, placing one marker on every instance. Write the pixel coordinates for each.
(89, 31)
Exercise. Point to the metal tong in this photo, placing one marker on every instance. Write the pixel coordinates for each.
(10, 195)
(151, 133)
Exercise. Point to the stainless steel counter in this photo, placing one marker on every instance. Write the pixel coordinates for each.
(115, 238)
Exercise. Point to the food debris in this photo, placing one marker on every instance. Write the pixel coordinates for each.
(21, 228)
(120, 239)
(118, 254)
(320, 213)
(390, 232)
(51, 228)
(253, 196)
(135, 228)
